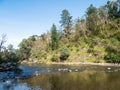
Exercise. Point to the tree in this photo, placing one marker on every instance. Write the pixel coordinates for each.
(9, 60)
(26, 46)
(66, 21)
(64, 53)
(114, 13)
(2, 41)
(80, 28)
(54, 38)
(113, 9)
(10, 48)
(100, 28)
(92, 18)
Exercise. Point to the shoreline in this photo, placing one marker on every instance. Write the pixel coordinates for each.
(83, 63)
(71, 63)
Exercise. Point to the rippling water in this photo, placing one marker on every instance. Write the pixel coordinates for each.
(62, 77)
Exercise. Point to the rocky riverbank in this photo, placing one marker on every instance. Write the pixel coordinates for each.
(70, 63)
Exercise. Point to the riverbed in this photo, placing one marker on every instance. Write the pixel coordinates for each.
(61, 77)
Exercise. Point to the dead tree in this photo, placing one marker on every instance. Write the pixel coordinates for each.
(2, 41)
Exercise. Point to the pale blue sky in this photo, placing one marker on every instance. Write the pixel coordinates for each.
(22, 18)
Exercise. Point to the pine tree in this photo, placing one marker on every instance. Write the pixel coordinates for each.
(66, 21)
(54, 38)
(92, 18)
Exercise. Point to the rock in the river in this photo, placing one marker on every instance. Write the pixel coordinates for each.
(108, 68)
(70, 70)
(36, 73)
(76, 70)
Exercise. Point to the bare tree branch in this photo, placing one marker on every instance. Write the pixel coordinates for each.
(2, 41)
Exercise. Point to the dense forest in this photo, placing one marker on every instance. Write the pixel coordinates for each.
(92, 38)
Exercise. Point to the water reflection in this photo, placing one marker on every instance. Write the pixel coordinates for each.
(87, 80)
(60, 78)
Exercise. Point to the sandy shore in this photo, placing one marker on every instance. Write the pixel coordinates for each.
(72, 63)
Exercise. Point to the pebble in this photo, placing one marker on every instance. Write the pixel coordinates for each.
(59, 69)
(36, 73)
(65, 69)
(76, 70)
(69, 70)
(108, 68)
(48, 70)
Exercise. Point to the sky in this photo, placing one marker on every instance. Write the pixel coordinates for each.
(20, 19)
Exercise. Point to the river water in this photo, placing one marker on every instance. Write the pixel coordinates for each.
(62, 77)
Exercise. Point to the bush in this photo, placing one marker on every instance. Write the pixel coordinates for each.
(112, 55)
(9, 61)
(39, 54)
(64, 53)
(55, 58)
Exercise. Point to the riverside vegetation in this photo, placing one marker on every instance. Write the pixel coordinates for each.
(93, 38)
(9, 57)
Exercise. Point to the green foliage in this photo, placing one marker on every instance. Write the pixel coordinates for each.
(113, 55)
(80, 29)
(92, 19)
(94, 38)
(39, 54)
(25, 47)
(91, 10)
(9, 60)
(55, 58)
(113, 9)
(9, 57)
(54, 38)
(64, 53)
(66, 21)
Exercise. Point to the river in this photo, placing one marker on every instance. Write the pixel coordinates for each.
(62, 77)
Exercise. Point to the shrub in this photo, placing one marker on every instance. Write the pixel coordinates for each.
(55, 58)
(39, 54)
(9, 61)
(64, 53)
(112, 55)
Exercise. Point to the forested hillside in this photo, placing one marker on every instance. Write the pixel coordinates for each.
(92, 38)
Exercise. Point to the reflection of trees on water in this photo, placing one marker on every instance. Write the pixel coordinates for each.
(15, 85)
(91, 80)
(88, 79)
(8, 85)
